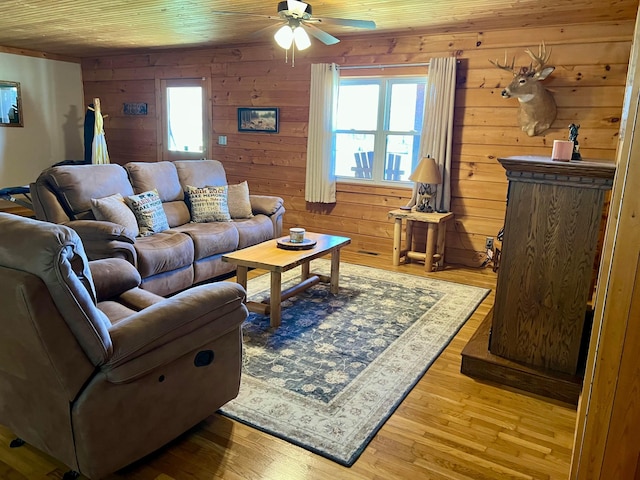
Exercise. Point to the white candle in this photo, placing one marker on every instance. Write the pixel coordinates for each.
(296, 235)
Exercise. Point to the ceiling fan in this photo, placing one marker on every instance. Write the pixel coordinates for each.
(299, 23)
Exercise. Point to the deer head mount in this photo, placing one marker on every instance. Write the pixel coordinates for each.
(537, 106)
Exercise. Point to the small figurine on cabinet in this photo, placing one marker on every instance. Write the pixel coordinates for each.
(573, 136)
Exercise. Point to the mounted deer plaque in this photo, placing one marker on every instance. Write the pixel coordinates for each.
(537, 106)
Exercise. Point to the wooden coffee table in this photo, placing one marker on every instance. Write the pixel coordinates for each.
(267, 256)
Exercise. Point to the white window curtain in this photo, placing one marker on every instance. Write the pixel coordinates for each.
(437, 129)
(320, 184)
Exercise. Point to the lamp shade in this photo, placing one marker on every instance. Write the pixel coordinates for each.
(301, 38)
(426, 172)
(284, 37)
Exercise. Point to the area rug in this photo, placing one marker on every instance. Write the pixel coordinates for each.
(339, 365)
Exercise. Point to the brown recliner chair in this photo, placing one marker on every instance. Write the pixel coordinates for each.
(96, 371)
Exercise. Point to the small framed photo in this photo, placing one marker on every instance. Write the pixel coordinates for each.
(258, 120)
(134, 108)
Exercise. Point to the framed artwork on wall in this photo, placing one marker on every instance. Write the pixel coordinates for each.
(258, 120)
(10, 104)
(134, 108)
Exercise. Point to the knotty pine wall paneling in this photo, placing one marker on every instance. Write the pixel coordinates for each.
(587, 84)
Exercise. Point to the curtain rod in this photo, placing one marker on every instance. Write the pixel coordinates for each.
(393, 65)
(358, 67)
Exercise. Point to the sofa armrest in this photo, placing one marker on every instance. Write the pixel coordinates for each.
(92, 230)
(169, 329)
(265, 204)
(112, 277)
(271, 206)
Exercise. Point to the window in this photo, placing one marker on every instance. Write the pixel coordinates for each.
(378, 127)
(184, 119)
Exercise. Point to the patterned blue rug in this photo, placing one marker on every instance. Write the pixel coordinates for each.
(339, 365)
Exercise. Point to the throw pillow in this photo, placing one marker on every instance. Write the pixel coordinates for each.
(114, 209)
(239, 203)
(147, 207)
(208, 204)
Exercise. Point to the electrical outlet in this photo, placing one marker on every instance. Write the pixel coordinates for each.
(488, 243)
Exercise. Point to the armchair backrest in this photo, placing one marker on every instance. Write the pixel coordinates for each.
(54, 254)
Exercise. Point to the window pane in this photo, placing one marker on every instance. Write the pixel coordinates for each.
(358, 107)
(184, 109)
(354, 155)
(407, 107)
(402, 156)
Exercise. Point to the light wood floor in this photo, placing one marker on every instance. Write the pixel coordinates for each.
(449, 427)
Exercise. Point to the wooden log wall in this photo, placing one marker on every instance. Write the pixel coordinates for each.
(588, 85)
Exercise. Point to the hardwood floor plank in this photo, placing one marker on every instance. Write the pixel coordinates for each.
(448, 427)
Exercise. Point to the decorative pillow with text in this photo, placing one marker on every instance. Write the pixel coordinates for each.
(208, 204)
(147, 207)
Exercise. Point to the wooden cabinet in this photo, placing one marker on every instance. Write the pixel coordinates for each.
(553, 218)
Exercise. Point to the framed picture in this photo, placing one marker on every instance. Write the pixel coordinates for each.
(134, 108)
(258, 120)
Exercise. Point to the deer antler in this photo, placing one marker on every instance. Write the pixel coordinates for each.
(541, 59)
(505, 66)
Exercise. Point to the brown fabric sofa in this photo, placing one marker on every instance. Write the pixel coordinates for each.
(96, 371)
(170, 261)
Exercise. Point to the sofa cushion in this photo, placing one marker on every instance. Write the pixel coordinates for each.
(252, 231)
(200, 173)
(208, 204)
(239, 201)
(163, 252)
(149, 213)
(211, 238)
(161, 176)
(114, 209)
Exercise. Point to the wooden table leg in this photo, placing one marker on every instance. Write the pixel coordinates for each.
(305, 271)
(409, 240)
(442, 231)
(431, 246)
(241, 276)
(397, 236)
(275, 300)
(335, 270)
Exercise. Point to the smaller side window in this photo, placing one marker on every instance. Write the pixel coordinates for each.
(184, 119)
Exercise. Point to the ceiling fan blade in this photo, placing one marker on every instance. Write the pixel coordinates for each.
(346, 22)
(263, 31)
(324, 37)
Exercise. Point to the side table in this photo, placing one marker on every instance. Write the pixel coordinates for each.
(436, 230)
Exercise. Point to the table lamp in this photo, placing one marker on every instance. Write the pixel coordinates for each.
(425, 175)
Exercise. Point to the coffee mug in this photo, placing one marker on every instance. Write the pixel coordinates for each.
(296, 235)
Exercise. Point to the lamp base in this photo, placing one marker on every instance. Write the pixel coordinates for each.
(423, 208)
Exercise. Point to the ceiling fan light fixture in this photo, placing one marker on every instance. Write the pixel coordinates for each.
(301, 37)
(284, 37)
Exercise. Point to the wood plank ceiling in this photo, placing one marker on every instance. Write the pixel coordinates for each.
(81, 28)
